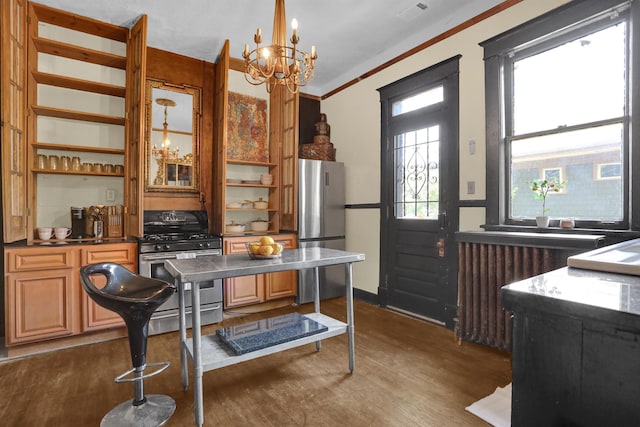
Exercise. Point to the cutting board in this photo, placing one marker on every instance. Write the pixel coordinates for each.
(621, 258)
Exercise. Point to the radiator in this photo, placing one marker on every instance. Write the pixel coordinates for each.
(482, 270)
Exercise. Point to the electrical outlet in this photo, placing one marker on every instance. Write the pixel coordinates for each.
(471, 187)
(110, 195)
(472, 147)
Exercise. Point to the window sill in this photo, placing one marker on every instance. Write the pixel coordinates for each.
(552, 237)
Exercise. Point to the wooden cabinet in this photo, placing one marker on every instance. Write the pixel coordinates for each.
(259, 288)
(234, 174)
(44, 296)
(83, 105)
(41, 294)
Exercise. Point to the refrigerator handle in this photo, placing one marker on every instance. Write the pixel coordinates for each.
(326, 178)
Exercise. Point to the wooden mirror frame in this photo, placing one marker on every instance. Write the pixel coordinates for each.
(171, 164)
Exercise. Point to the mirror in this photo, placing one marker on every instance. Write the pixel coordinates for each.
(171, 140)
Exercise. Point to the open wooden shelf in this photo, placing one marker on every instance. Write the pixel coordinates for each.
(249, 163)
(78, 84)
(82, 24)
(82, 148)
(77, 115)
(53, 47)
(70, 172)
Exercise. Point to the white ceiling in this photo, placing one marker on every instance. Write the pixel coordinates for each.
(351, 36)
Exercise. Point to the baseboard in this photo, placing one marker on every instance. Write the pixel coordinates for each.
(365, 296)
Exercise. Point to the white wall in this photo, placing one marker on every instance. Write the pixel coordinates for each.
(354, 116)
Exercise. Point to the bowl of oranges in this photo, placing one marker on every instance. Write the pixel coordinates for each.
(265, 248)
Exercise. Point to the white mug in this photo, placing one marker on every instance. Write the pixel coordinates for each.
(62, 232)
(45, 233)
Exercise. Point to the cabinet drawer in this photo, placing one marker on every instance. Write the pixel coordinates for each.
(126, 253)
(38, 259)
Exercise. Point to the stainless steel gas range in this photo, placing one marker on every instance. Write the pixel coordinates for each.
(174, 235)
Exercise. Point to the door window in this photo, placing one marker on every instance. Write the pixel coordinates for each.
(417, 160)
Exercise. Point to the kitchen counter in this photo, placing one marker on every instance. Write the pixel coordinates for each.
(73, 242)
(576, 348)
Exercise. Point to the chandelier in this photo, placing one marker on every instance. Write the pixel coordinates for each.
(279, 64)
(163, 152)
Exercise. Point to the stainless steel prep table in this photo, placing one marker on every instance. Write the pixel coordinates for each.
(206, 352)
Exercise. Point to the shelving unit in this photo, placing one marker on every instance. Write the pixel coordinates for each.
(77, 96)
(248, 170)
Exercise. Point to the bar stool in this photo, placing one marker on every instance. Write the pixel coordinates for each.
(134, 298)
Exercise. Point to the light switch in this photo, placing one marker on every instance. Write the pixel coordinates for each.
(110, 195)
(471, 187)
(472, 148)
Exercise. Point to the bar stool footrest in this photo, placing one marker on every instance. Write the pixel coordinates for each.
(121, 378)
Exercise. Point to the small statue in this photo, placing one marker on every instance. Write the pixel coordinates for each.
(323, 130)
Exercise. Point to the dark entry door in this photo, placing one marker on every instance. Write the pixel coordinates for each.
(420, 193)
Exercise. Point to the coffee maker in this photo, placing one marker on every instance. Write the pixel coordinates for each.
(78, 227)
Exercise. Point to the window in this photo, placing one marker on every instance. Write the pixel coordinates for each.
(417, 160)
(559, 96)
(415, 102)
(609, 171)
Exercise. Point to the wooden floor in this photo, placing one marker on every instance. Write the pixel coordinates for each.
(407, 373)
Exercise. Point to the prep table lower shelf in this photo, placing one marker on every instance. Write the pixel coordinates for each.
(215, 354)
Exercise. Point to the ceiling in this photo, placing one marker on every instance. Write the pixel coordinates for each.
(352, 37)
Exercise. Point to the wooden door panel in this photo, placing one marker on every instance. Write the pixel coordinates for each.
(281, 284)
(13, 86)
(40, 305)
(135, 129)
(243, 290)
(95, 317)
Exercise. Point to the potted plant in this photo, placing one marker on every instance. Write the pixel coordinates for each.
(541, 188)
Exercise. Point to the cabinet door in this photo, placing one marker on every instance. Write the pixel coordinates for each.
(13, 40)
(136, 76)
(94, 317)
(283, 283)
(244, 290)
(221, 112)
(40, 305)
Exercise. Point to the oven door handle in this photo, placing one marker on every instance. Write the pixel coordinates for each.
(153, 257)
(164, 256)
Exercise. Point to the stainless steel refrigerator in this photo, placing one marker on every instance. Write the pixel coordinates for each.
(321, 223)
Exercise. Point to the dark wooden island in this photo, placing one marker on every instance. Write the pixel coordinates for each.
(576, 348)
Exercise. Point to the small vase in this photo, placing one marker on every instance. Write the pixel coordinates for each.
(542, 221)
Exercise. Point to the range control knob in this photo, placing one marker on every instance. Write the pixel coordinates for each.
(201, 245)
(158, 247)
(167, 247)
